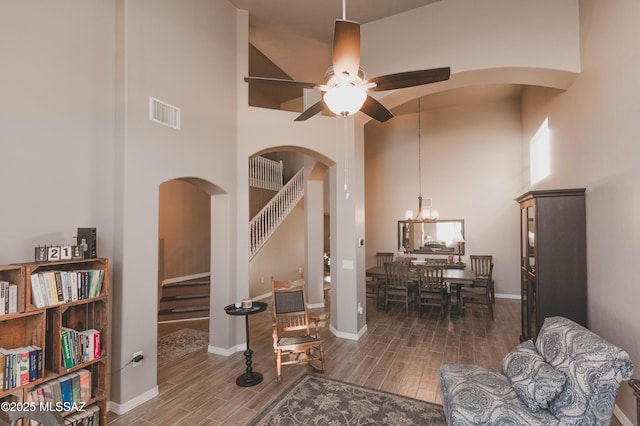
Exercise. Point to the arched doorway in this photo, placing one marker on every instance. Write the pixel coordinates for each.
(184, 267)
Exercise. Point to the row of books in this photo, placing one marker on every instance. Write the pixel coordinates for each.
(50, 288)
(8, 298)
(88, 417)
(20, 366)
(79, 347)
(64, 393)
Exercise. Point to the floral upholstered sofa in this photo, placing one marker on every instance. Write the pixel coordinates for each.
(569, 377)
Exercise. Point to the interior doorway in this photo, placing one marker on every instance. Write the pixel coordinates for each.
(184, 277)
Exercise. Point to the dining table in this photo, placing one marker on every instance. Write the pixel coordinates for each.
(455, 277)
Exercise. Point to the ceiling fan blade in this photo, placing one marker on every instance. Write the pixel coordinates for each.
(409, 79)
(311, 111)
(280, 82)
(346, 47)
(376, 110)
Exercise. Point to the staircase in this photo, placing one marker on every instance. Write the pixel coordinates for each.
(262, 226)
(188, 297)
(184, 298)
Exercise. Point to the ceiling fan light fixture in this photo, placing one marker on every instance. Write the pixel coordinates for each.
(345, 100)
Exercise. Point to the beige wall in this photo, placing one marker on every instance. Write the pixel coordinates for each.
(594, 128)
(171, 52)
(281, 256)
(57, 109)
(470, 168)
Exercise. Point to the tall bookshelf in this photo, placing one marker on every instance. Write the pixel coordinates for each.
(42, 327)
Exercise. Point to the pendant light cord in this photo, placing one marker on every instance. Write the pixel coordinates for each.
(419, 155)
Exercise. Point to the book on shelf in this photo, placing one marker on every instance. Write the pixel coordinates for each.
(96, 278)
(6, 373)
(47, 391)
(85, 384)
(92, 344)
(66, 392)
(67, 358)
(35, 363)
(37, 298)
(75, 386)
(54, 276)
(56, 391)
(8, 298)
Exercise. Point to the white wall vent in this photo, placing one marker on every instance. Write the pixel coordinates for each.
(163, 113)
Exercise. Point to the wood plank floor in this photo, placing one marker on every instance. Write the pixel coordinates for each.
(399, 353)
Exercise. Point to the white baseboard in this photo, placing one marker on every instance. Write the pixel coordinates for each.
(121, 409)
(621, 417)
(349, 336)
(226, 352)
(507, 296)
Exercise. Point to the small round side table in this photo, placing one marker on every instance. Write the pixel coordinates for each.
(249, 378)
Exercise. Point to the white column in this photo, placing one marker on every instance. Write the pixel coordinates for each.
(347, 227)
(314, 224)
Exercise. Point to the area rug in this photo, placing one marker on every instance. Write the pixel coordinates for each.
(180, 343)
(316, 400)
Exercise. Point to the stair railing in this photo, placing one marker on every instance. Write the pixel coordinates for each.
(262, 226)
(265, 173)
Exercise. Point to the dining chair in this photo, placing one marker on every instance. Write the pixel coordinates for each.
(399, 288)
(480, 265)
(375, 286)
(296, 337)
(480, 294)
(432, 290)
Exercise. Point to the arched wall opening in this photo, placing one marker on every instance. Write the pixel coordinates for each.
(297, 246)
(193, 253)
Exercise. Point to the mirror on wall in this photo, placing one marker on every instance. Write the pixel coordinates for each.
(445, 236)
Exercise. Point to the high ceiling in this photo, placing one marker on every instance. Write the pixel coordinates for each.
(296, 35)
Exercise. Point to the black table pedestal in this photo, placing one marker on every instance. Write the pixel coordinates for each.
(249, 378)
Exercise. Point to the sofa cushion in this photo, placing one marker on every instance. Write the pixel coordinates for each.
(534, 380)
(476, 395)
(593, 366)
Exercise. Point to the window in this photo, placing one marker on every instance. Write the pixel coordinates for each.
(540, 154)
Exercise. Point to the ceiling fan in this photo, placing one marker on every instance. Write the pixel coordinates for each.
(345, 84)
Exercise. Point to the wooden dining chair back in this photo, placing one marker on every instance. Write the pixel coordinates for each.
(481, 265)
(478, 294)
(399, 288)
(375, 286)
(296, 337)
(434, 261)
(432, 290)
(383, 257)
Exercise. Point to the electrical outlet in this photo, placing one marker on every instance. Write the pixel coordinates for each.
(139, 363)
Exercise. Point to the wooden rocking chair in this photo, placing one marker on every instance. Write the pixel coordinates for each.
(295, 336)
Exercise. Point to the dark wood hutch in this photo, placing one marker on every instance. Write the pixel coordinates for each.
(553, 258)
